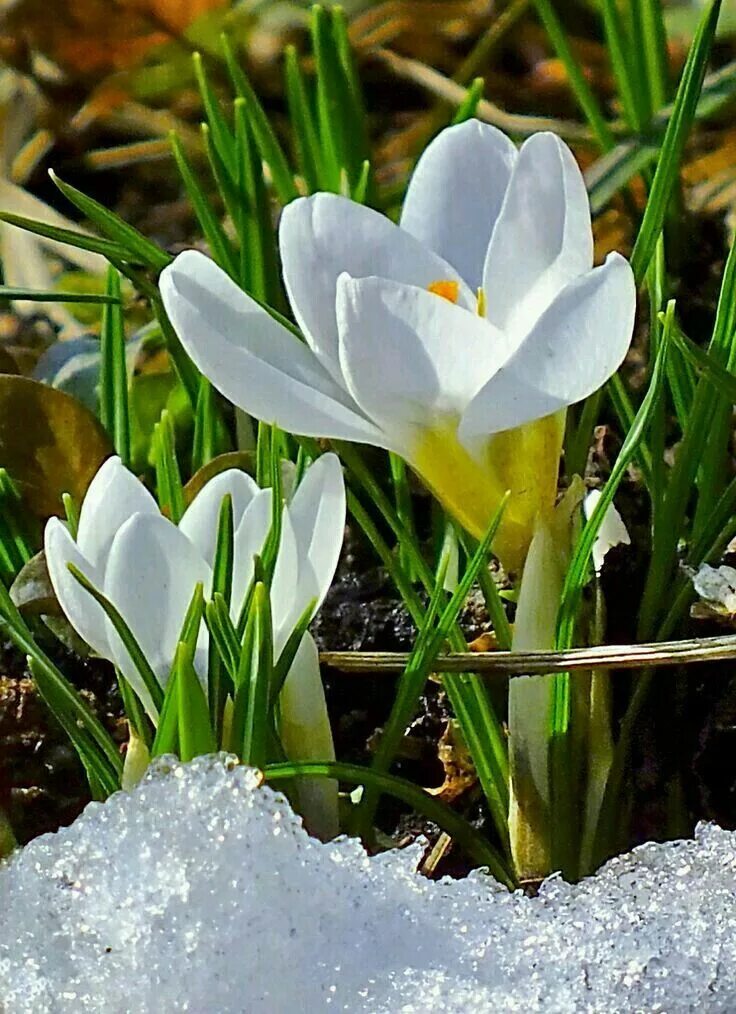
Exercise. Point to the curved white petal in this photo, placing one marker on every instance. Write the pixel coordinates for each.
(84, 614)
(542, 239)
(250, 538)
(455, 194)
(152, 572)
(410, 357)
(113, 496)
(304, 730)
(317, 513)
(576, 345)
(252, 359)
(325, 235)
(200, 519)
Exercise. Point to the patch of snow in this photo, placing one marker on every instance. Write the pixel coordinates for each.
(200, 891)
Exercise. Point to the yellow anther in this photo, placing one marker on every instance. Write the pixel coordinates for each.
(446, 289)
(481, 303)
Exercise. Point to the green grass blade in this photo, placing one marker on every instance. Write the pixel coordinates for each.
(266, 140)
(288, 652)
(92, 741)
(306, 141)
(476, 846)
(578, 570)
(222, 580)
(195, 732)
(223, 633)
(668, 163)
(578, 83)
(468, 108)
(259, 257)
(221, 247)
(53, 296)
(169, 489)
(139, 249)
(654, 47)
(80, 240)
(222, 135)
(125, 634)
(114, 411)
(688, 462)
(204, 444)
(426, 648)
(256, 677)
(340, 122)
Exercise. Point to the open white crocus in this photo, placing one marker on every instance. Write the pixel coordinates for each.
(149, 567)
(456, 339)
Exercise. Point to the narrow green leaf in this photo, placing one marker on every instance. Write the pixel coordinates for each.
(169, 489)
(621, 51)
(580, 87)
(223, 633)
(259, 258)
(204, 444)
(255, 678)
(288, 652)
(222, 580)
(195, 732)
(125, 634)
(114, 411)
(221, 132)
(432, 808)
(268, 144)
(139, 249)
(427, 646)
(80, 240)
(468, 108)
(336, 112)
(54, 296)
(306, 140)
(670, 154)
(185, 369)
(94, 744)
(578, 570)
(72, 514)
(221, 247)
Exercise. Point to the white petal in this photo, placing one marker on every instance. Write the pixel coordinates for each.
(542, 239)
(252, 359)
(325, 235)
(317, 513)
(113, 496)
(411, 357)
(151, 575)
(200, 519)
(455, 194)
(578, 343)
(612, 532)
(304, 729)
(78, 606)
(250, 538)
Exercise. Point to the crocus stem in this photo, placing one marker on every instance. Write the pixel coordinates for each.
(531, 698)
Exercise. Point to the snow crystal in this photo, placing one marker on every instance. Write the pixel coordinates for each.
(201, 892)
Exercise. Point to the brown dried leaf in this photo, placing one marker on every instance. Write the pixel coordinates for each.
(460, 774)
(49, 443)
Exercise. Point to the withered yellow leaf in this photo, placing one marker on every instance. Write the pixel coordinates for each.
(49, 443)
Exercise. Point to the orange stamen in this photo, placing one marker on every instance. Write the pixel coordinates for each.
(446, 289)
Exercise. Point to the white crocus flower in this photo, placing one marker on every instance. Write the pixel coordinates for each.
(149, 567)
(456, 339)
